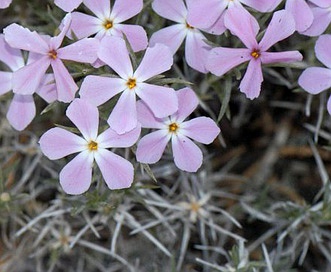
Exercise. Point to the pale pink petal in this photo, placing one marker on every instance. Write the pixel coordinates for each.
(218, 27)
(171, 36)
(136, 36)
(196, 50)
(22, 38)
(83, 25)
(200, 129)
(322, 3)
(262, 5)
(65, 85)
(101, 8)
(124, 10)
(329, 105)
(84, 50)
(5, 3)
(21, 111)
(221, 60)
(116, 171)
(286, 56)
(5, 82)
(252, 80)
(157, 59)
(76, 176)
(47, 89)
(109, 138)
(161, 100)
(204, 14)
(187, 155)
(322, 19)
(146, 117)
(113, 52)
(301, 12)
(27, 79)
(57, 143)
(10, 56)
(98, 89)
(85, 116)
(123, 118)
(151, 147)
(174, 10)
(68, 5)
(322, 49)
(281, 26)
(242, 24)
(56, 41)
(187, 101)
(315, 79)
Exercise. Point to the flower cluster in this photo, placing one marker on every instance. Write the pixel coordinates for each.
(133, 100)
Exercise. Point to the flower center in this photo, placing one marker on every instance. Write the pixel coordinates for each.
(93, 146)
(189, 26)
(256, 53)
(52, 54)
(173, 127)
(108, 24)
(131, 83)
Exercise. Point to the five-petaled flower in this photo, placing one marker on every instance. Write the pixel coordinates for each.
(97, 89)
(76, 176)
(27, 79)
(109, 21)
(222, 59)
(22, 108)
(187, 155)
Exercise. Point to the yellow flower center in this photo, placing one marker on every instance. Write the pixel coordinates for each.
(108, 24)
(93, 146)
(173, 127)
(131, 83)
(256, 54)
(52, 54)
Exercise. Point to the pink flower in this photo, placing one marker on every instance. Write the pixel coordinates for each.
(68, 5)
(301, 12)
(209, 14)
(75, 177)
(317, 79)
(97, 89)
(222, 59)
(27, 79)
(22, 108)
(109, 22)
(321, 10)
(196, 50)
(187, 155)
(5, 3)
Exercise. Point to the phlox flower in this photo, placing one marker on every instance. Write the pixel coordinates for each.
(75, 177)
(109, 21)
(5, 3)
(98, 89)
(317, 79)
(187, 155)
(209, 14)
(196, 49)
(22, 108)
(222, 59)
(27, 79)
(68, 5)
(301, 12)
(321, 10)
